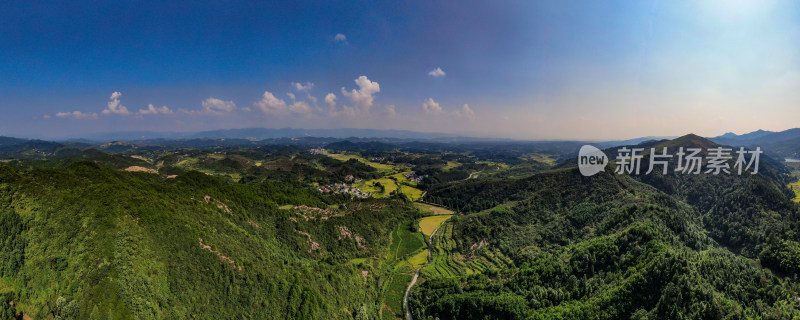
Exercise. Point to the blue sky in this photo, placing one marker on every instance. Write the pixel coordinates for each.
(521, 69)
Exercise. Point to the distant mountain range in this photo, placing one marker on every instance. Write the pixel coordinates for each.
(779, 145)
(784, 144)
(270, 133)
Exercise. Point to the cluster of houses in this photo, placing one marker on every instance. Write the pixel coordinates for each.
(413, 177)
(337, 188)
(317, 151)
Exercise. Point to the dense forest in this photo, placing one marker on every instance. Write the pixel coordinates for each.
(89, 242)
(621, 247)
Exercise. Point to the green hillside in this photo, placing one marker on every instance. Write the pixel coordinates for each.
(616, 247)
(86, 242)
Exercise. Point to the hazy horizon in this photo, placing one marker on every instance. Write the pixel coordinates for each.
(152, 134)
(528, 71)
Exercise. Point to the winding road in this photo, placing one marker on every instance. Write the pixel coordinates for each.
(416, 274)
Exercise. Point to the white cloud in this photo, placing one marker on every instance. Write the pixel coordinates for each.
(431, 107)
(467, 112)
(364, 97)
(340, 38)
(47, 116)
(114, 105)
(303, 87)
(77, 115)
(291, 95)
(269, 104)
(217, 106)
(330, 99)
(153, 110)
(438, 72)
(300, 107)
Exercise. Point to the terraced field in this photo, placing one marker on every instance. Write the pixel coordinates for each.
(447, 262)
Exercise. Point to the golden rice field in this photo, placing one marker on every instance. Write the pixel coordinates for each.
(428, 224)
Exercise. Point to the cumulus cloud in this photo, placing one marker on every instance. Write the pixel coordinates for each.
(291, 95)
(269, 104)
(438, 72)
(330, 99)
(364, 97)
(216, 106)
(340, 38)
(466, 112)
(300, 107)
(115, 106)
(153, 110)
(431, 107)
(303, 87)
(77, 115)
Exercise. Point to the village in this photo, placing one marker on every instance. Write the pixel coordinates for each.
(413, 177)
(338, 188)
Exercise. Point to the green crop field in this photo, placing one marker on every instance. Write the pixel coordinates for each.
(345, 157)
(369, 186)
(405, 247)
(419, 259)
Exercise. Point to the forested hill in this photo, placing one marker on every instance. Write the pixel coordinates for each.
(614, 246)
(85, 242)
